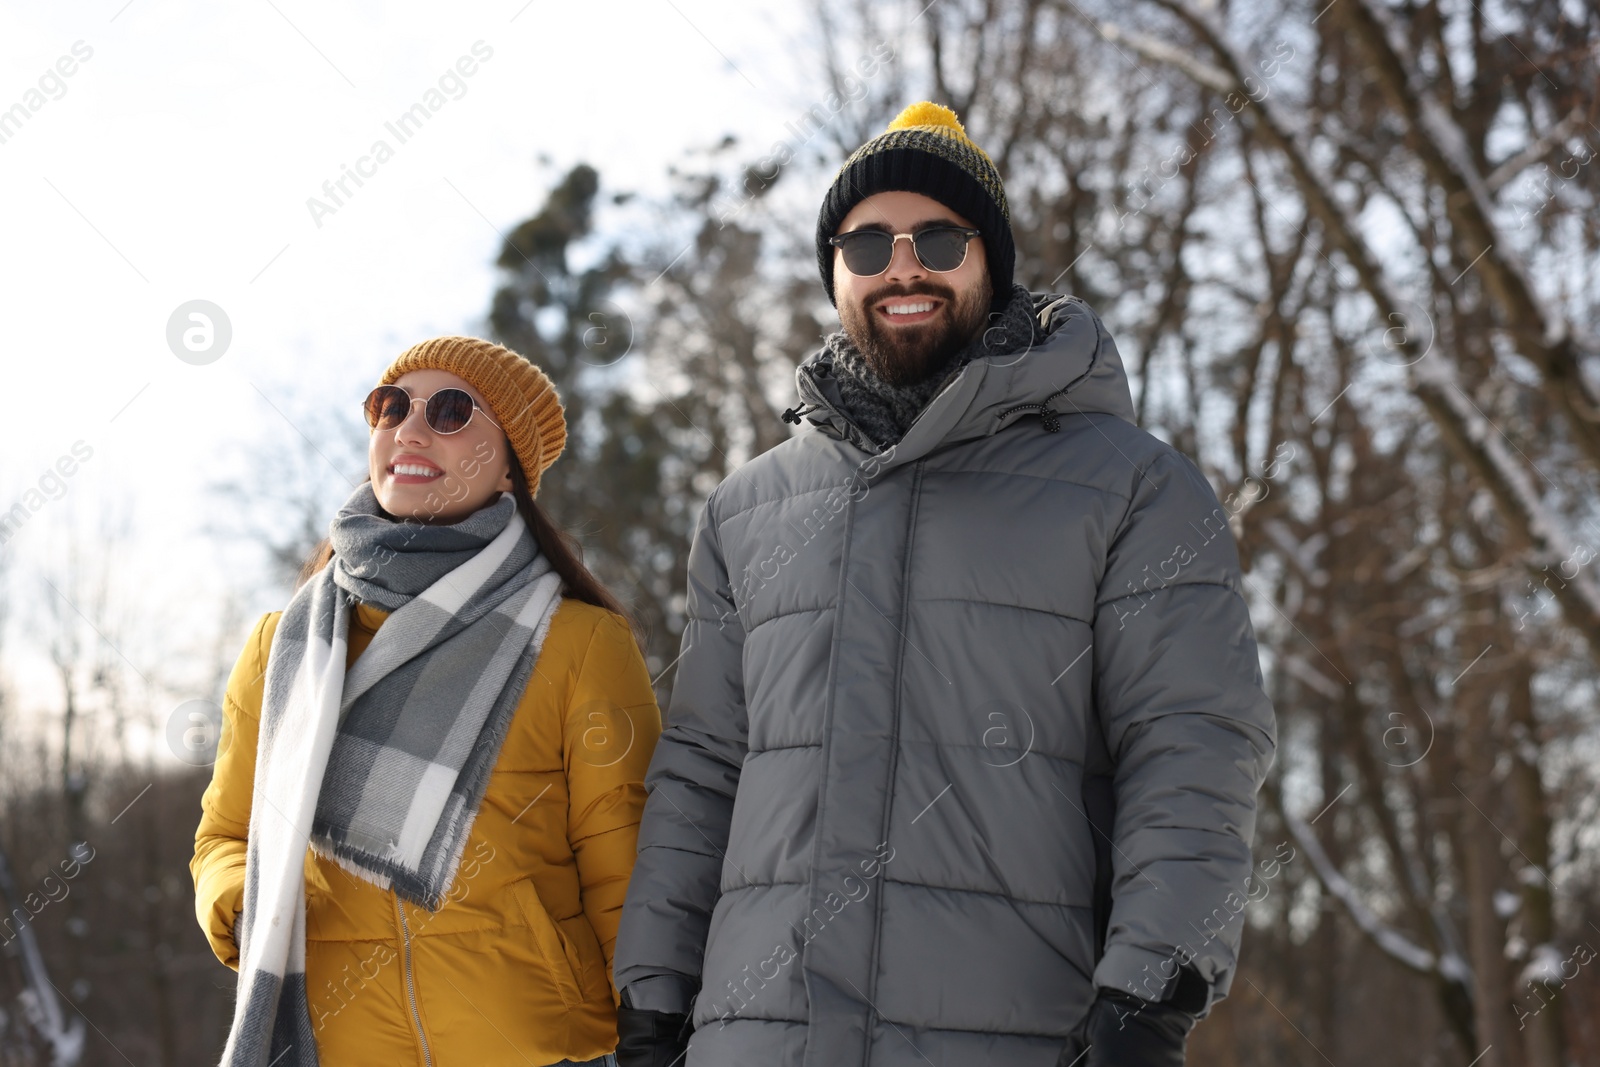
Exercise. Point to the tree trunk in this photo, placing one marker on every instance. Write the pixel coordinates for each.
(1499, 1044)
(1544, 1035)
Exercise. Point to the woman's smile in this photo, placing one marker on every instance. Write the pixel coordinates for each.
(411, 469)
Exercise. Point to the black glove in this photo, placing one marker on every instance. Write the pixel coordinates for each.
(1122, 1030)
(651, 1038)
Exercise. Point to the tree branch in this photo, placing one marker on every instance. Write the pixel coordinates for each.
(1541, 334)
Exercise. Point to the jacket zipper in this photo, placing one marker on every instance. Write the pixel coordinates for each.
(411, 988)
(917, 470)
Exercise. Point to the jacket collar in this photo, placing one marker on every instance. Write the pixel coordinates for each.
(1072, 367)
(369, 616)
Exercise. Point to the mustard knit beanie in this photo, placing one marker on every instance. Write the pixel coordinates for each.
(925, 150)
(521, 397)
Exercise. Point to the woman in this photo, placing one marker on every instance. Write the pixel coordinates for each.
(454, 714)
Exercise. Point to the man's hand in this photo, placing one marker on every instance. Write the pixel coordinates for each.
(651, 1038)
(1122, 1030)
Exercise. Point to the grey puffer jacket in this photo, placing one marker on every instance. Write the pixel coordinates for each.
(865, 840)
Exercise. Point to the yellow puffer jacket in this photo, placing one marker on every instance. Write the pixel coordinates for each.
(515, 967)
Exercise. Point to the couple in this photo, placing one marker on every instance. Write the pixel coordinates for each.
(961, 761)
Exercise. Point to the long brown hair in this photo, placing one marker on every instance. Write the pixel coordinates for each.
(559, 546)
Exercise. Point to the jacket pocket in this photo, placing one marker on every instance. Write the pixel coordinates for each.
(559, 958)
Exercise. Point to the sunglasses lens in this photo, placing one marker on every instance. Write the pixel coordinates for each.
(867, 252)
(941, 250)
(386, 407)
(449, 410)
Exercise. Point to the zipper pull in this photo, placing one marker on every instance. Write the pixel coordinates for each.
(793, 414)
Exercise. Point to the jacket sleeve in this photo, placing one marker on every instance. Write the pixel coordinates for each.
(1179, 691)
(692, 781)
(611, 728)
(221, 840)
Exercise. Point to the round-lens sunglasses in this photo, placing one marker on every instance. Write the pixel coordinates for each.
(446, 411)
(868, 253)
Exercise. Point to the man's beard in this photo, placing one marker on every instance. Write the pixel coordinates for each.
(902, 355)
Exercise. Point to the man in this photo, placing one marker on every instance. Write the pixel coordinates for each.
(922, 636)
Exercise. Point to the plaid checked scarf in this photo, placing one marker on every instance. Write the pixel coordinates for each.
(382, 768)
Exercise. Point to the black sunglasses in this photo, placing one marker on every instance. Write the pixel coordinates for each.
(446, 411)
(868, 253)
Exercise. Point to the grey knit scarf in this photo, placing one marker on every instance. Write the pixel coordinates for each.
(885, 411)
(381, 768)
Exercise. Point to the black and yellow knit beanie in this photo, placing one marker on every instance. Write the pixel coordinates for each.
(925, 150)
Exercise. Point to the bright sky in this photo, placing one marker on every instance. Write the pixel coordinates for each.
(174, 163)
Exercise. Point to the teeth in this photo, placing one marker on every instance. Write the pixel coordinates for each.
(413, 468)
(909, 309)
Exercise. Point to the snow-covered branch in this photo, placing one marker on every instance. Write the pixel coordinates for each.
(1386, 937)
(1536, 150)
(1153, 48)
(1540, 333)
(1274, 126)
(1484, 449)
(40, 1004)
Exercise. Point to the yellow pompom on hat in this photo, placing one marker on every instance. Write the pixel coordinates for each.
(925, 150)
(934, 118)
(522, 398)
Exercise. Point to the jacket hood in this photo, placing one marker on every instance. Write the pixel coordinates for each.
(1071, 367)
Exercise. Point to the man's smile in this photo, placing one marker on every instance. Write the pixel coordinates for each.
(905, 310)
